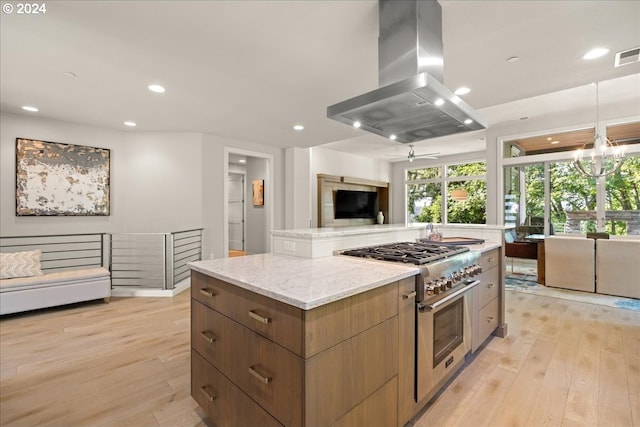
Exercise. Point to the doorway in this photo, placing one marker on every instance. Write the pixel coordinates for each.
(236, 206)
(247, 221)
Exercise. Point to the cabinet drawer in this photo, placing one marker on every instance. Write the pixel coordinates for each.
(488, 287)
(275, 320)
(268, 373)
(224, 403)
(209, 335)
(489, 260)
(487, 320)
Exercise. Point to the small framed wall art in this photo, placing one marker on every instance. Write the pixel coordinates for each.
(55, 179)
(258, 192)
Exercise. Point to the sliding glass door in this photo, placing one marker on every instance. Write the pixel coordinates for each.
(572, 199)
(525, 198)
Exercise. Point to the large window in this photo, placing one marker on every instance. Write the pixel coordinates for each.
(554, 194)
(453, 194)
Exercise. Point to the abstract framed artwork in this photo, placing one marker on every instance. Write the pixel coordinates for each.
(55, 179)
(258, 192)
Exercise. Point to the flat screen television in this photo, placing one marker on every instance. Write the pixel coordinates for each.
(355, 204)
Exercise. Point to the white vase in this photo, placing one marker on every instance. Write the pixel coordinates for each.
(380, 217)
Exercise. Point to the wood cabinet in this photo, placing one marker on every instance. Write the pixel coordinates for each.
(407, 405)
(260, 362)
(486, 299)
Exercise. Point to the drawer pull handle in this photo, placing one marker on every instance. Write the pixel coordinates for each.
(489, 319)
(208, 336)
(208, 292)
(491, 259)
(256, 374)
(206, 390)
(490, 285)
(259, 318)
(409, 295)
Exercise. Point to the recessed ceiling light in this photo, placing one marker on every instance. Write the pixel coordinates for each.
(357, 124)
(555, 142)
(156, 88)
(463, 90)
(298, 127)
(513, 59)
(70, 74)
(29, 108)
(130, 124)
(596, 53)
(392, 137)
(438, 102)
(468, 121)
(242, 161)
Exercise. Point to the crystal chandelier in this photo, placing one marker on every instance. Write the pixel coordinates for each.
(606, 157)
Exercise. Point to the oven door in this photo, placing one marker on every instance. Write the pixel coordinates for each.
(443, 338)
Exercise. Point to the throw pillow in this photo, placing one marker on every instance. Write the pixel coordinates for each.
(20, 264)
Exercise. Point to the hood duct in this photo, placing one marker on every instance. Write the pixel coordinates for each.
(411, 103)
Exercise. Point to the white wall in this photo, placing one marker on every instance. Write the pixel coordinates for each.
(161, 182)
(298, 181)
(256, 220)
(155, 179)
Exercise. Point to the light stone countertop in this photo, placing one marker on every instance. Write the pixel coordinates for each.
(308, 283)
(305, 283)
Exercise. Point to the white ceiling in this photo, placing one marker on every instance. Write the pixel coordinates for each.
(252, 69)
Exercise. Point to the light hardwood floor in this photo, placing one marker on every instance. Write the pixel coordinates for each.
(127, 364)
(234, 253)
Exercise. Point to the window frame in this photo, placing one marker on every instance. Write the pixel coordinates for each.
(443, 180)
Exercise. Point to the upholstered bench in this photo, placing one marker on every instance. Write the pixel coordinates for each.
(33, 289)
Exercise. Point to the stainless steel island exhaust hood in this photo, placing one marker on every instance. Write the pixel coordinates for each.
(411, 103)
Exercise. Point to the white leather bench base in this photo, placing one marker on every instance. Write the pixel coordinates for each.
(53, 289)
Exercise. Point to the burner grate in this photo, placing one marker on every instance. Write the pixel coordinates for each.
(408, 252)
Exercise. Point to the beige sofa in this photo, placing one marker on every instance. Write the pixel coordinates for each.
(618, 267)
(570, 262)
(605, 266)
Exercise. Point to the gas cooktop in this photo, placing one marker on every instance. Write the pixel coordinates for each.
(409, 252)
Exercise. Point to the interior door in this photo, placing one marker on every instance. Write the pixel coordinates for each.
(236, 198)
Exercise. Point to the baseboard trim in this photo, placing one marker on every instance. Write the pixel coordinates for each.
(126, 291)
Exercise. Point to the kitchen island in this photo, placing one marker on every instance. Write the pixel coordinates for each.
(282, 340)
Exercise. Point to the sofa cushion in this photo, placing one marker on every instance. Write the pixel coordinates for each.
(20, 264)
(54, 279)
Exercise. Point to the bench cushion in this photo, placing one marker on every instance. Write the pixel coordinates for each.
(53, 279)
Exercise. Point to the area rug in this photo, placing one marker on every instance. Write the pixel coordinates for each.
(528, 284)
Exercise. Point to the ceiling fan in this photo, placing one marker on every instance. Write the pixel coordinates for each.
(412, 155)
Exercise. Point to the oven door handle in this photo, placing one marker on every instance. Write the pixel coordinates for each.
(443, 301)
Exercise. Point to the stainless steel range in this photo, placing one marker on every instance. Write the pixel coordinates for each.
(443, 306)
